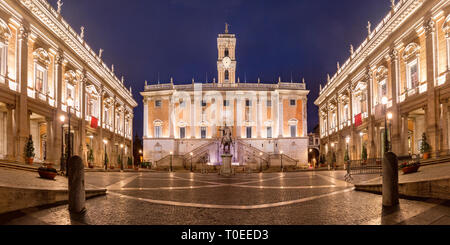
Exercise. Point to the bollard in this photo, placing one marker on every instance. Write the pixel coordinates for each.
(390, 180)
(77, 194)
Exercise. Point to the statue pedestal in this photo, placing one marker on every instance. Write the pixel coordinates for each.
(226, 165)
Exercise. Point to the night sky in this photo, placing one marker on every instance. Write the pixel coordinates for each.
(151, 39)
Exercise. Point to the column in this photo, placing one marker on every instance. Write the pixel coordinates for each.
(432, 100)
(146, 123)
(22, 77)
(171, 118)
(276, 114)
(258, 116)
(372, 146)
(57, 124)
(396, 118)
(444, 126)
(404, 136)
(51, 150)
(305, 117)
(82, 125)
(10, 141)
(239, 118)
(280, 117)
(192, 126)
(100, 157)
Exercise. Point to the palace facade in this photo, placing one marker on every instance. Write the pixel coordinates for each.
(47, 69)
(184, 122)
(400, 73)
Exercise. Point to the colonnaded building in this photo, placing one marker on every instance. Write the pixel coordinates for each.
(46, 67)
(406, 60)
(183, 123)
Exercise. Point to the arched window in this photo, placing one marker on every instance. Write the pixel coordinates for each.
(382, 74)
(411, 58)
(446, 28)
(227, 53)
(41, 63)
(227, 75)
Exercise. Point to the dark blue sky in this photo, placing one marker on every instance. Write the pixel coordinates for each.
(144, 38)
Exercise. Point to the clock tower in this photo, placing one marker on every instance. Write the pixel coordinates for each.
(226, 63)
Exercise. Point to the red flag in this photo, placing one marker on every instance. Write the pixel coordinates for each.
(94, 122)
(358, 120)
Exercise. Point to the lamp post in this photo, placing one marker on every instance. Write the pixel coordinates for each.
(140, 155)
(332, 155)
(384, 101)
(69, 147)
(106, 156)
(281, 153)
(191, 159)
(260, 162)
(62, 118)
(347, 141)
(390, 116)
(171, 159)
(121, 159)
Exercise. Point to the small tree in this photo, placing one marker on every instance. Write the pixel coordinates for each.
(424, 147)
(29, 148)
(119, 160)
(364, 153)
(91, 155)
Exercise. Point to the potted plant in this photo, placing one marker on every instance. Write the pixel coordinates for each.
(47, 172)
(29, 150)
(364, 154)
(91, 158)
(410, 167)
(425, 148)
(129, 163)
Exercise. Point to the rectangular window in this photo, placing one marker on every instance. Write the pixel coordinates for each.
(269, 103)
(249, 132)
(182, 104)
(293, 131)
(269, 132)
(248, 103)
(203, 132)
(293, 103)
(203, 103)
(226, 103)
(158, 132)
(40, 79)
(157, 103)
(182, 133)
(382, 90)
(412, 74)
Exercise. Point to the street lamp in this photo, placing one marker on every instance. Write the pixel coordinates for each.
(384, 101)
(171, 159)
(347, 140)
(69, 154)
(191, 159)
(121, 159)
(106, 156)
(62, 118)
(281, 153)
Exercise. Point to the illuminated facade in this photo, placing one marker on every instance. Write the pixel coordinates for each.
(45, 67)
(406, 61)
(267, 120)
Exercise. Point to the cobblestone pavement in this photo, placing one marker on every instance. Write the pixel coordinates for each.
(305, 198)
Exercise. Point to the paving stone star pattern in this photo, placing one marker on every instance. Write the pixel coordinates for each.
(304, 198)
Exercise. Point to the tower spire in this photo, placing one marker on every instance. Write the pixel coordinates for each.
(226, 28)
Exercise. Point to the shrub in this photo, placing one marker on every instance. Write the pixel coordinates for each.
(29, 148)
(424, 147)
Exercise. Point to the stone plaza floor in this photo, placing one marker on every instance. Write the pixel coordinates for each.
(303, 198)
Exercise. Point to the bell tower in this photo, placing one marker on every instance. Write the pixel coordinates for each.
(226, 62)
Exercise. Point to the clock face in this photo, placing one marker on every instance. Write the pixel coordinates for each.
(226, 62)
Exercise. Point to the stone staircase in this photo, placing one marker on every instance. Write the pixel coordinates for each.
(18, 166)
